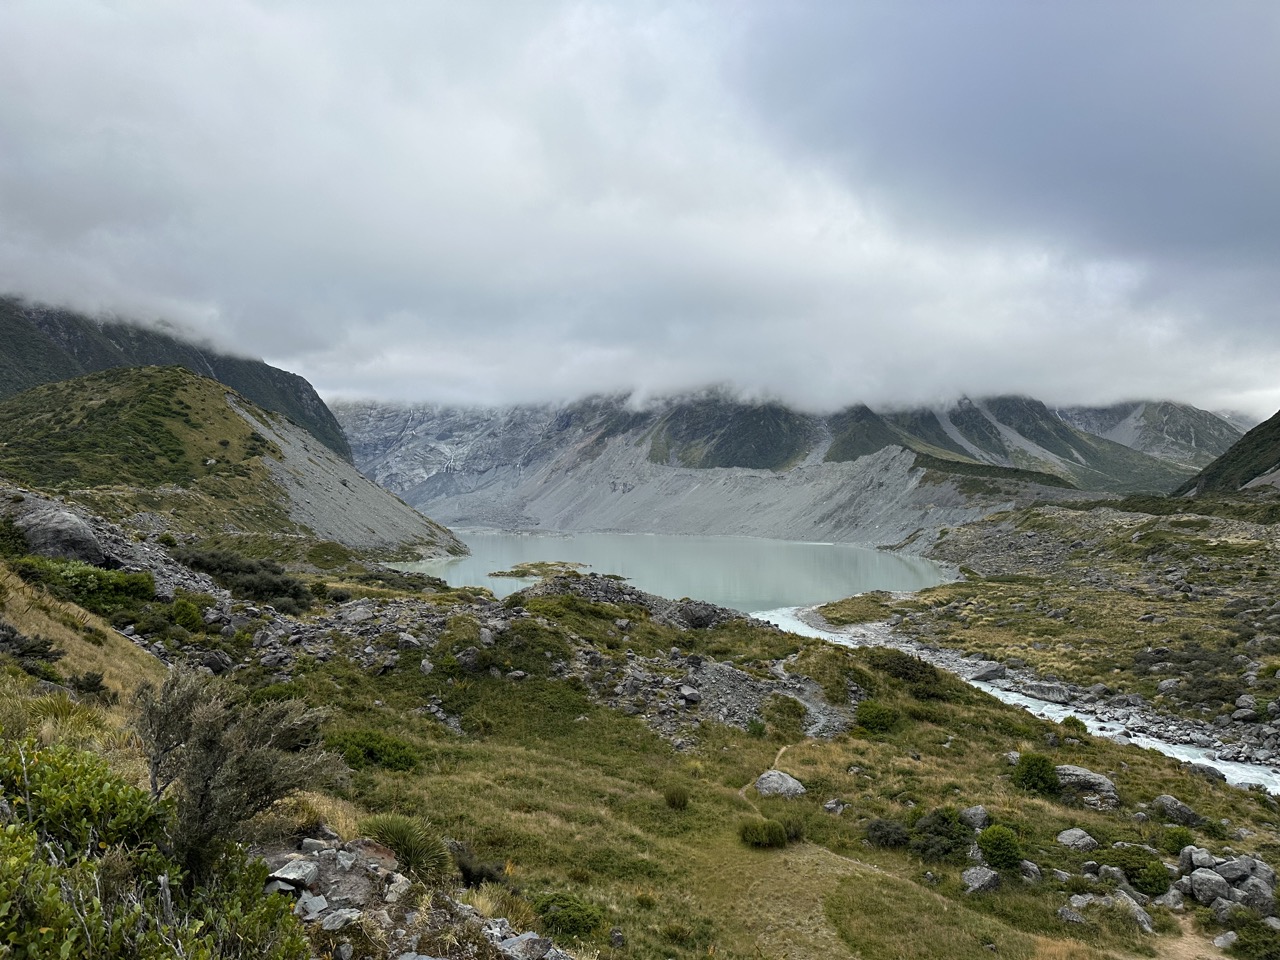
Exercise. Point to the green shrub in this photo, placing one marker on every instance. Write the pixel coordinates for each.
(35, 655)
(887, 833)
(1175, 838)
(100, 591)
(249, 579)
(1142, 869)
(187, 615)
(1000, 847)
(903, 666)
(762, 833)
(566, 915)
(1256, 940)
(1073, 726)
(676, 796)
(1035, 773)
(422, 854)
(875, 717)
(13, 543)
(372, 748)
(756, 728)
(940, 835)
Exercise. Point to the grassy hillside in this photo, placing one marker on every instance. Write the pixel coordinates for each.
(1255, 454)
(41, 344)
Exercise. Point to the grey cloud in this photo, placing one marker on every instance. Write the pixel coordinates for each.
(504, 202)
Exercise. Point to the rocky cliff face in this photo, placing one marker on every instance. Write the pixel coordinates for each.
(1170, 431)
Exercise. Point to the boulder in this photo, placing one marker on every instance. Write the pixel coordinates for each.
(975, 817)
(340, 918)
(1257, 896)
(980, 879)
(1207, 886)
(527, 946)
(1233, 871)
(1171, 808)
(60, 533)
(989, 670)
(1067, 915)
(775, 783)
(1092, 789)
(1077, 839)
(1131, 906)
(297, 873)
(1193, 858)
(1029, 871)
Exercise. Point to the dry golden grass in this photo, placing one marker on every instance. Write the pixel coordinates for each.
(123, 665)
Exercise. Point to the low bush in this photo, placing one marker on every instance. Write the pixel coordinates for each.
(35, 655)
(1175, 838)
(372, 748)
(249, 579)
(940, 835)
(1000, 847)
(887, 833)
(762, 833)
(875, 717)
(1141, 867)
(100, 591)
(567, 915)
(903, 666)
(1035, 773)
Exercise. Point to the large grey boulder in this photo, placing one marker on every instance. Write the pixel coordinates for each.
(1194, 858)
(988, 670)
(1171, 808)
(1092, 789)
(775, 783)
(980, 879)
(1208, 885)
(975, 817)
(1077, 839)
(1131, 906)
(1257, 896)
(60, 533)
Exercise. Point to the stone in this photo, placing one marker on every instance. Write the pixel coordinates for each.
(311, 845)
(60, 533)
(1171, 808)
(689, 694)
(1077, 839)
(1171, 899)
(1134, 910)
(835, 805)
(1233, 871)
(1224, 909)
(980, 880)
(975, 817)
(1257, 896)
(299, 873)
(279, 886)
(1193, 858)
(990, 670)
(1067, 915)
(1224, 940)
(1061, 876)
(426, 666)
(1208, 772)
(527, 946)
(775, 783)
(397, 886)
(340, 918)
(309, 907)
(1114, 874)
(1029, 871)
(1207, 886)
(1092, 789)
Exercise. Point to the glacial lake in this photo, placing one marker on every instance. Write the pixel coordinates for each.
(744, 573)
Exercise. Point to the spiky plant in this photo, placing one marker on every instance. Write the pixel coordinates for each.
(422, 854)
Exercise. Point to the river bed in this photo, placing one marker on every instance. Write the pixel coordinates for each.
(793, 619)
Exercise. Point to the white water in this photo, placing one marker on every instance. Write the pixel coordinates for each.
(788, 618)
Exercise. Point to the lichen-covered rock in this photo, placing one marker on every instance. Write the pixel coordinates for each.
(1171, 808)
(1208, 885)
(775, 783)
(1077, 839)
(1091, 789)
(980, 880)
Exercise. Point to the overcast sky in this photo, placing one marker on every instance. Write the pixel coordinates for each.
(477, 201)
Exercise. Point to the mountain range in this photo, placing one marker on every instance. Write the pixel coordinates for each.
(713, 464)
